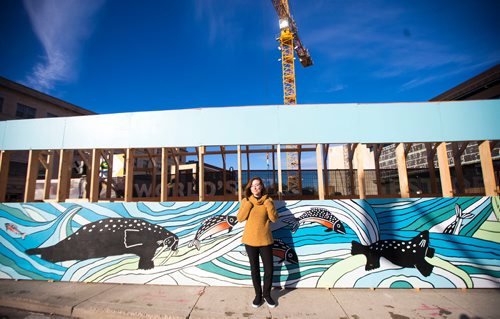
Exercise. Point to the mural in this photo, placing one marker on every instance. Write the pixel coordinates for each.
(398, 243)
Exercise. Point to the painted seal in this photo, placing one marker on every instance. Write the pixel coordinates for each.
(111, 237)
(410, 254)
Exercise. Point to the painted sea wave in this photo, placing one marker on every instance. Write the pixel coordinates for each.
(469, 259)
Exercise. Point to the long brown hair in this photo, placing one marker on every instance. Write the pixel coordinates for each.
(248, 191)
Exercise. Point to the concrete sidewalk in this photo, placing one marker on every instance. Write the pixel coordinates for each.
(131, 301)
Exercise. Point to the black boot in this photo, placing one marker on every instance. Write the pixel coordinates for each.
(270, 302)
(257, 301)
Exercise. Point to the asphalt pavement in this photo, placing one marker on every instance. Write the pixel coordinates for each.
(91, 300)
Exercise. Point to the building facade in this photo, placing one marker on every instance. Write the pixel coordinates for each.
(485, 86)
(20, 102)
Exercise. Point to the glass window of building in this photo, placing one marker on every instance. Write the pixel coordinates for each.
(1, 104)
(51, 115)
(25, 111)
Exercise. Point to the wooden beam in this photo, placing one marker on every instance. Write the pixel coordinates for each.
(260, 150)
(444, 170)
(463, 147)
(360, 169)
(153, 175)
(63, 183)
(86, 158)
(93, 171)
(319, 167)
(280, 176)
(164, 175)
(326, 176)
(407, 148)
(402, 172)
(31, 175)
(431, 152)
(177, 173)
(248, 165)
(129, 175)
(201, 174)
(350, 154)
(4, 173)
(43, 160)
(377, 151)
(457, 161)
(299, 169)
(109, 179)
(240, 186)
(151, 156)
(49, 171)
(274, 169)
(490, 184)
(224, 175)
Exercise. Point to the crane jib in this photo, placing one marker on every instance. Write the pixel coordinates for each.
(283, 10)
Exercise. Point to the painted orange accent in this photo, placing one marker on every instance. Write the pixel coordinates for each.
(322, 222)
(214, 230)
(279, 253)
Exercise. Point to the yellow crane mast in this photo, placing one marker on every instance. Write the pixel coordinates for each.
(290, 43)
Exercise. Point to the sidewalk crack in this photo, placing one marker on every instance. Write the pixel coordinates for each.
(200, 293)
(338, 302)
(90, 297)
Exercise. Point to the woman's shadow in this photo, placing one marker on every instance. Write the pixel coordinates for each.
(286, 257)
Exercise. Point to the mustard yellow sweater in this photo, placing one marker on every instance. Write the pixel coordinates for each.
(258, 213)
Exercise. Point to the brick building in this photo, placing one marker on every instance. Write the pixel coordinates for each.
(484, 86)
(20, 102)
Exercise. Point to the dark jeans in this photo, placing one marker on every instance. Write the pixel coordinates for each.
(266, 254)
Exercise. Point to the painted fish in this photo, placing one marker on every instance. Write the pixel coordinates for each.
(284, 252)
(111, 237)
(407, 254)
(13, 228)
(212, 226)
(454, 227)
(317, 215)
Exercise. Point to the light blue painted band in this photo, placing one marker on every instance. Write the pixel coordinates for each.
(260, 125)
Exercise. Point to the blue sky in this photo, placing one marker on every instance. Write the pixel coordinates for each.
(122, 55)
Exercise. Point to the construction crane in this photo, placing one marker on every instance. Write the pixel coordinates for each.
(290, 43)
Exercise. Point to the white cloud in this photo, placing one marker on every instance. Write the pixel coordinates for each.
(61, 27)
(220, 19)
(419, 80)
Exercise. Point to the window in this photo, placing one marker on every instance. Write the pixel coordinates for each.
(1, 104)
(51, 115)
(25, 112)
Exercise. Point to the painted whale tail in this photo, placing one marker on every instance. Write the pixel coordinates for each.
(196, 243)
(460, 213)
(294, 222)
(358, 248)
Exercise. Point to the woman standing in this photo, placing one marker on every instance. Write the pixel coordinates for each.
(258, 210)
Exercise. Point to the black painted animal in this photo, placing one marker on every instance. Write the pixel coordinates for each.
(408, 254)
(110, 237)
(317, 215)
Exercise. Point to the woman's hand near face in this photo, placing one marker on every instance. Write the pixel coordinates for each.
(271, 210)
(245, 208)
